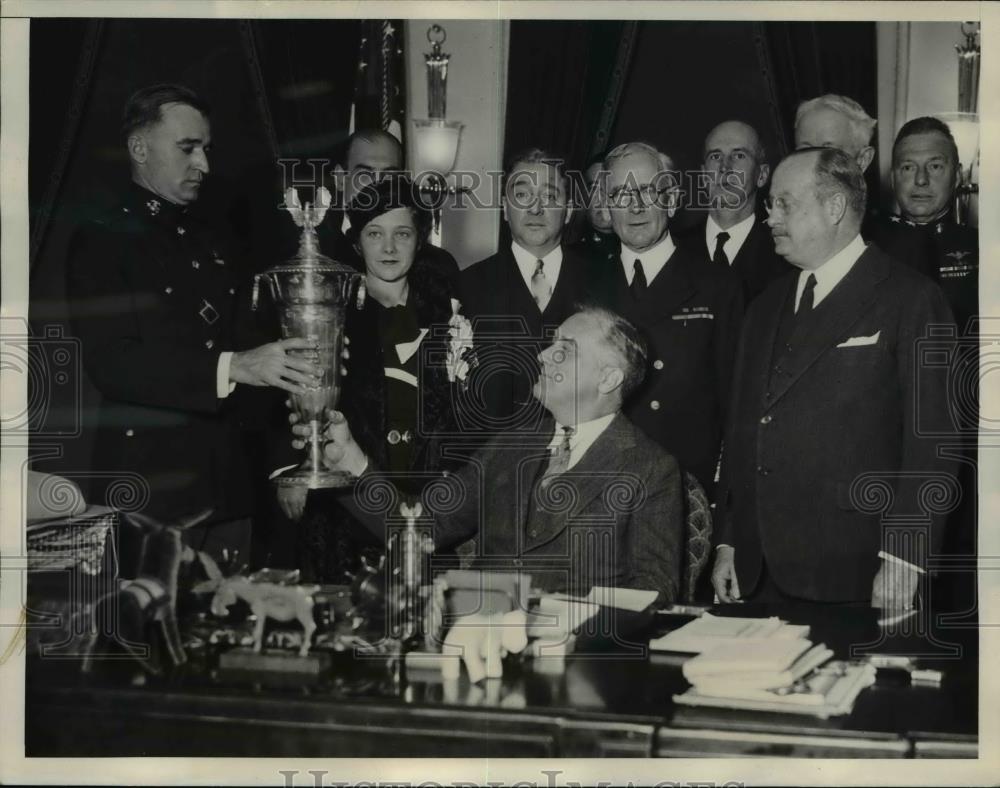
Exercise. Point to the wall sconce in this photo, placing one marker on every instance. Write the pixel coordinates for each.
(434, 139)
(964, 124)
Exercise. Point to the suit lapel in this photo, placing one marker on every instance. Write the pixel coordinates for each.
(514, 290)
(847, 302)
(567, 288)
(589, 478)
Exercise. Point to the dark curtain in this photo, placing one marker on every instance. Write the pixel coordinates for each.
(558, 81)
(301, 66)
(564, 80)
(802, 60)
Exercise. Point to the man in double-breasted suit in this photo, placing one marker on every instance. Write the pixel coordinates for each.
(688, 310)
(831, 409)
(153, 298)
(591, 501)
(732, 232)
(517, 297)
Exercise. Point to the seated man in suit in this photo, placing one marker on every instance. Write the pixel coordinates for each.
(591, 501)
(833, 424)
(688, 309)
(519, 295)
(733, 232)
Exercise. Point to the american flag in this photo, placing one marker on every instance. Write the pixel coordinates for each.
(379, 93)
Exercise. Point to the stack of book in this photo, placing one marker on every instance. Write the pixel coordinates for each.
(763, 665)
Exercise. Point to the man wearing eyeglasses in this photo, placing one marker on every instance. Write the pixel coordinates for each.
(524, 291)
(688, 309)
(733, 232)
(831, 447)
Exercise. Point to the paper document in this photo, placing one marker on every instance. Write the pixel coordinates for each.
(709, 632)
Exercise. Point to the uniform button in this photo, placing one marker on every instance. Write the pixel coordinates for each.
(788, 348)
(657, 364)
(210, 344)
(533, 534)
(767, 395)
(766, 419)
(517, 562)
(655, 404)
(168, 290)
(129, 433)
(232, 291)
(763, 471)
(195, 264)
(777, 369)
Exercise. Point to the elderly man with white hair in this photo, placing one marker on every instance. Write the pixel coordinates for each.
(832, 121)
(688, 310)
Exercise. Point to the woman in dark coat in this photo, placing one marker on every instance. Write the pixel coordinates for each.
(397, 396)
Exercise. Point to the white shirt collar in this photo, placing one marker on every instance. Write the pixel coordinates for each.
(345, 225)
(737, 236)
(583, 437)
(527, 262)
(653, 259)
(829, 274)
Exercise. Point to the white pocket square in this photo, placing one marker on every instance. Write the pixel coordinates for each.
(861, 341)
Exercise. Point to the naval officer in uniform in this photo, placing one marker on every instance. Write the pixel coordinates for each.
(154, 298)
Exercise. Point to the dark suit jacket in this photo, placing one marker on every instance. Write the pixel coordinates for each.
(614, 519)
(135, 296)
(509, 332)
(800, 440)
(756, 263)
(690, 317)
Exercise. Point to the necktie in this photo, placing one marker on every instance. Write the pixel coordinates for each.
(541, 290)
(638, 286)
(559, 459)
(808, 295)
(720, 252)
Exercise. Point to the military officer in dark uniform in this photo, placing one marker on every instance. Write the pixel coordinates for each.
(924, 234)
(596, 239)
(153, 297)
(688, 309)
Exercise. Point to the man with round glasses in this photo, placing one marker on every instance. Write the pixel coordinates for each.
(689, 311)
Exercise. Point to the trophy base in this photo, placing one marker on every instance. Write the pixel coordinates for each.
(315, 480)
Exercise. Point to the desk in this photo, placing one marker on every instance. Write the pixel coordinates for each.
(606, 703)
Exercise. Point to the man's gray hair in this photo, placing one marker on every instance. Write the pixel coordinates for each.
(624, 339)
(862, 124)
(631, 148)
(836, 172)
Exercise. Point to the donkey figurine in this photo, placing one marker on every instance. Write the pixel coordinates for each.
(266, 600)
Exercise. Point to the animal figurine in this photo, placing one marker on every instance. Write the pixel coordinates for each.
(124, 617)
(266, 600)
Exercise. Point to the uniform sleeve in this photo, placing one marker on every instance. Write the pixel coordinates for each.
(126, 362)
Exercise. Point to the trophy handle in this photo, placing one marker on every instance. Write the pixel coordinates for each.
(256, 292)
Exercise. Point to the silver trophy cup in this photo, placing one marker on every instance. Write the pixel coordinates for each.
(313, 293)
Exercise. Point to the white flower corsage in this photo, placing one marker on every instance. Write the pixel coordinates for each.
(460, 356)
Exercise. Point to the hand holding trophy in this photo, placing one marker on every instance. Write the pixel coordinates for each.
(313, 294)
